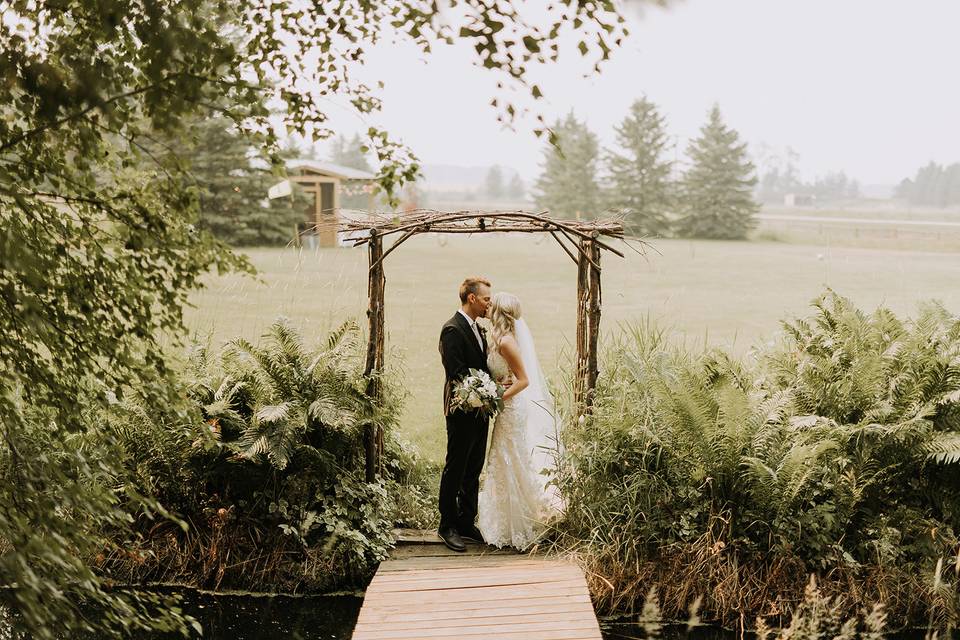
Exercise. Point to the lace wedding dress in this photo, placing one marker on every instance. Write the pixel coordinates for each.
(515, 501)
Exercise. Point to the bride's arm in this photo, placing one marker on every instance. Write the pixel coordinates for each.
(510, 351)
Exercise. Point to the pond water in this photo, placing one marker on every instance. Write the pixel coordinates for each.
(332, 617)
(248, 617)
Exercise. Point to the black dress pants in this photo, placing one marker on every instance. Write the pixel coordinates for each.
(460, 482)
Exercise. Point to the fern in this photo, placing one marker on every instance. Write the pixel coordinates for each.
(840, 440)
(944, 448)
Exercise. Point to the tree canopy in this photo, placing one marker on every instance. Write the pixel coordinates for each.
(717, 190)
(99, 243)
(568, 184)
(933, 185)
(350, 153)
(232, 184)
(639, 174)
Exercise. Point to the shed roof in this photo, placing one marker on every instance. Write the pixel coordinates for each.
(330, 169)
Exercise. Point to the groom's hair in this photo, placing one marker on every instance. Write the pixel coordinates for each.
(471, 285)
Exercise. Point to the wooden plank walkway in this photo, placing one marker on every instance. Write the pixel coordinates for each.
(427, 591)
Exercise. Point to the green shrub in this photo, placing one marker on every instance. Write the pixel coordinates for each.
(832, 452)
(268, 467)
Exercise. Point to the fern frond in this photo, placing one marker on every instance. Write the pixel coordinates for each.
(326, 411)
(275, 412)
(944, 448)
(800, 463)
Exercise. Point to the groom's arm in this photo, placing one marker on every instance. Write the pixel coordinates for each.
(452, 353)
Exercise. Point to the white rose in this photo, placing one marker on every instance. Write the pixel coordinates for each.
(473, 400)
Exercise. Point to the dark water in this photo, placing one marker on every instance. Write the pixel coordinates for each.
(625, 630)
(248, 617)
(265, 617)
(617, 630)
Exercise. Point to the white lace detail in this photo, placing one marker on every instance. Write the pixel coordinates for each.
(513, 504)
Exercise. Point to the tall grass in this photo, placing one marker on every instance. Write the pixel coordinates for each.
(834, 452)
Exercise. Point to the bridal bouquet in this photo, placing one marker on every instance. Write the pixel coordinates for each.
(478, 392)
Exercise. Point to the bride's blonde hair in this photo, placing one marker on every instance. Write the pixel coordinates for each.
(504, 312)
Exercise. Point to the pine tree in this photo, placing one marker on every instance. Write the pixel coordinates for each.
(233, 192)
(350, 153)
(353, 153)
(516, 189)
(953, 184)
(495, 182)
(934, 185)
(717, 191)
(835, 185)
(568, 185)
(639, 178)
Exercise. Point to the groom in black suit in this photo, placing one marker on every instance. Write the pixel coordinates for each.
(463, 346)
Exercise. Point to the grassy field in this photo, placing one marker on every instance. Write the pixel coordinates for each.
(725, 293)
(888, 230)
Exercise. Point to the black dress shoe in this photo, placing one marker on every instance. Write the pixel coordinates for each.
(471, 533)
(452, 539)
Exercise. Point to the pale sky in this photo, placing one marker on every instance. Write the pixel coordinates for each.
(867, 86)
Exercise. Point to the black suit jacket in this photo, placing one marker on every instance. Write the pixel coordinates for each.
(459, 352)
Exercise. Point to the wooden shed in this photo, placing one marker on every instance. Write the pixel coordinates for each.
(325, 185)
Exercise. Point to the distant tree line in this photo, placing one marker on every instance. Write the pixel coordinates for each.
(835, 185)
(497, 189)
(934, 185)
(781, 178)
(712, 198)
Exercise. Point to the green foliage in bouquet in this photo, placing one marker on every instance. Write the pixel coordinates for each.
(478, 392)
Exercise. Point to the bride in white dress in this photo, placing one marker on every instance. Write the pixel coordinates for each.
(517, 500)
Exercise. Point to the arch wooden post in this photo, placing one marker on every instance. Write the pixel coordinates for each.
(588, 323)
(376, 283)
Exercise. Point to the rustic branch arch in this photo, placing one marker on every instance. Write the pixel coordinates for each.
(581, 240)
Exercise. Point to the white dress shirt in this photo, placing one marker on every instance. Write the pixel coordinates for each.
(473, 325)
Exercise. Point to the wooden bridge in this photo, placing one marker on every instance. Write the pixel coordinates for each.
(426, 591)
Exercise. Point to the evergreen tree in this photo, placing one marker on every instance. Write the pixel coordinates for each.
(233, 192)
(295, 147)
(639, 177)
(853, 189)
(926, 184)
(516, 189)
(495, 182)
(353, 153)
(905, 190)
(835, 185)
(934, 185)
(568, 185)
(717, 191)
(953, 184)
(350, 153)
